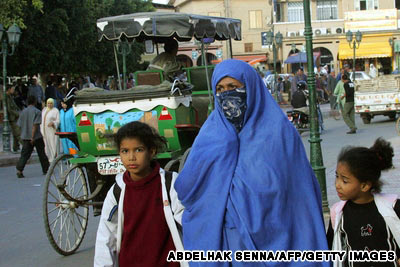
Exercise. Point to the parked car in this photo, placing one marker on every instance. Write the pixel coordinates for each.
(360, 75)
(269, 80)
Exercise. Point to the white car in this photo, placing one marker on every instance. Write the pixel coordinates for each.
(360, 75)
(270, 79)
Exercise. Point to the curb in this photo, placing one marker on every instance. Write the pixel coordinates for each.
(10, 159)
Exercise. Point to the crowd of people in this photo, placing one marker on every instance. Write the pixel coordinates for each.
(338, 90)
(35, 115)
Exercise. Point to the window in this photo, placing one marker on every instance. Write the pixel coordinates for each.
(398, 4)
(295, 11)
(326, 9)
(248, 47)
(365, 4)
(255, 17)
(214, 14)
(279, 13)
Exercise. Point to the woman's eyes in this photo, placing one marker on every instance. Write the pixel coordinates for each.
(230, 87)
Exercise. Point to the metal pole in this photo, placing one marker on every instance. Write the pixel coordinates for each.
(397, 60)
(275, 89)
(315, 140)
(230, 48)
(116, 63)
(6, 125)
(204, 58)
(354, 60)
(227, 4)
(124, 52)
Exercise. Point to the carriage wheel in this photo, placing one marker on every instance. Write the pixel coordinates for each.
(65, 221)
(398, 126)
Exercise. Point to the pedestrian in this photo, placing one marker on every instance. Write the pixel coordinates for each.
(20, 94)
(373, 72)
(88, 83)
(37, 91)
(29, 122)
(13, 114)
(67, 122)
(279, 90)
(338, 93)
(48, 128)
(319, 89)
(286, 87)
(364, 219)
(330, 88)
(300, 76)
(348, 108)
(247, 183)
(299, 99)
(142, 229)
(52, 92)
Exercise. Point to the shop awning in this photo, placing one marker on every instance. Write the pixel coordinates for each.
(301, 58)
(371, 46)
(251, 57)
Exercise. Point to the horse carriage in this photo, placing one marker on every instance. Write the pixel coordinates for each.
(76, 182)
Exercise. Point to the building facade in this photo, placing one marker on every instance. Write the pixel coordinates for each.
(377, 20)
(254, 14)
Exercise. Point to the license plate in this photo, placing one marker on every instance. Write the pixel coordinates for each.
(110, 165)
(378, 107)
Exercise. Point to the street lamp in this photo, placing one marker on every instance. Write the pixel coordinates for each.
(277, 41)
(356, 45)
(316, 158)
(124, 49)
(395, 47)
(13, 35)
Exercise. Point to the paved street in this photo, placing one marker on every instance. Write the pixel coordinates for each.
(23, 241)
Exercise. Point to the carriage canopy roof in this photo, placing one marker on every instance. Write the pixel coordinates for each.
(161, 25)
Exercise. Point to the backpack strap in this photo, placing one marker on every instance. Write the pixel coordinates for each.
(168, 182)
(116, 193)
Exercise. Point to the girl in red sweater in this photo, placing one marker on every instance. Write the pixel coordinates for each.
(139, 228)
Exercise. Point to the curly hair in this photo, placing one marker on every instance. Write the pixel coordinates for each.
(146, 134)
(366, 164)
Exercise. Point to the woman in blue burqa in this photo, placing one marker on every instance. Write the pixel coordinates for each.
(247, 183)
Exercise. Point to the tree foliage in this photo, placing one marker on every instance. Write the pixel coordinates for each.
(11, 11)
(62, 38)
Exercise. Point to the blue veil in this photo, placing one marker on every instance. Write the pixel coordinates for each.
(260, 177)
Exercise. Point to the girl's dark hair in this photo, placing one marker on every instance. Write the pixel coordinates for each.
(366, 164)
(146, 134)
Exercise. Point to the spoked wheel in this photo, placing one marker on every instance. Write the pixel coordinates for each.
(398, 125)
(65, 221)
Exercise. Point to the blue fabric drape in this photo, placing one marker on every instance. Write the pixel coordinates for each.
(258, 182)
(67, 124)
